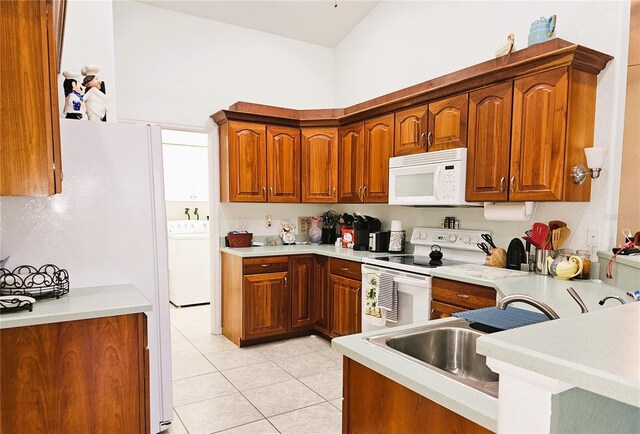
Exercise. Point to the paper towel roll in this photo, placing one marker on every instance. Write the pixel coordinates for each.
(509, 212)
(396, 225)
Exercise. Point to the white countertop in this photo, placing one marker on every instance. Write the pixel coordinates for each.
(80, 303)
(469, 403)
(301, 249)
(598, 351)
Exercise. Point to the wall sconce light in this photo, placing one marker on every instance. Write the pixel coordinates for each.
(595, 162)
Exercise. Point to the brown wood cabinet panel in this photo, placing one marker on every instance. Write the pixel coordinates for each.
(247, 162)
(443, 310)
(489, 143)
(283, 164)
(29, 124)
(374, 403)
(320, 165)
(348, 269)
(321, 303)
(302, 291)
(265, 264)
(75, 376)
(231, 297)
(465, 295)
(378, 147)
(447, 126)
(346, 308)
(410, 131)
(538, 136)
(350, 161)
(265, 305)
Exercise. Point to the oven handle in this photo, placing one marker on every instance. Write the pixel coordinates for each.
(421, 281)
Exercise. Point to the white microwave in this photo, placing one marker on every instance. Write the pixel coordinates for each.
(429, 179)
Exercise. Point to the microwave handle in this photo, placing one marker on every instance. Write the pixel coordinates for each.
(436, 182)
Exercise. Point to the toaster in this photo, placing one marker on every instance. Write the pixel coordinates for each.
(378, 241)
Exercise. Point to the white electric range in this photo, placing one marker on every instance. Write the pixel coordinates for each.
(411, 272)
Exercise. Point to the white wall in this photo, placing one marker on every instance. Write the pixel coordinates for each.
(403, 43)
(179, 69)
(88, 39)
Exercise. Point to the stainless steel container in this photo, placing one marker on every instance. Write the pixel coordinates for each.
(540, 264)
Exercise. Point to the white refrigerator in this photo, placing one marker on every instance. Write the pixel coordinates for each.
(107, 227)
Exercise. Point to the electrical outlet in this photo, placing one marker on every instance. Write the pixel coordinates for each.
(592, 237)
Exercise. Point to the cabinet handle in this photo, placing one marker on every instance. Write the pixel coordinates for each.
(423, 140)
(512, 184)
(264, 190)
(462, 295)
(334, 191)
(429, 136)
(364, 192)
(285, 281)
(502, 185)
(345, 268)
(360, 193)
(265, 265)
(271, 191)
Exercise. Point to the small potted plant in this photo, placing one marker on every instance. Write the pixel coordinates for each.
(329, 222)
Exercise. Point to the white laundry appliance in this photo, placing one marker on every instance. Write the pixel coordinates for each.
(189, 262)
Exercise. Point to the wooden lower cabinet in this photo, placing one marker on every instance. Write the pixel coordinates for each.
(374, 403)
(84, 376)
(265, 305)
(450, 296)
(322, 299)
(346, 306)
(303, 285)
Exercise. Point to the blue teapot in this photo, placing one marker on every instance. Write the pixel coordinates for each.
(542, 29)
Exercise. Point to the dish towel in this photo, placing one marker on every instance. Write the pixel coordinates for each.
(371, 307)
(388, 296)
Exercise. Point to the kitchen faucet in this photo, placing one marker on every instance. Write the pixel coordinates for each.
(186, 211)
(543, 307)
(572, 292)
(601, 302)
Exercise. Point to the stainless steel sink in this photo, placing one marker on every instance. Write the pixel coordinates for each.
(447, 348)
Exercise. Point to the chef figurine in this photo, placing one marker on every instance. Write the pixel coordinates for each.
(94, 95)
(286, 233)
(74, 106)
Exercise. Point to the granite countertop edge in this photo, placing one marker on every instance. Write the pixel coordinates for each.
(79, 304)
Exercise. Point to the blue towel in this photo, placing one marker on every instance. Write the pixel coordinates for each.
(388, 296)
(510, 318)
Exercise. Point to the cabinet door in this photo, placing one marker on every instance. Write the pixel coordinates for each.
(346, 307)
(350, 159)
(321, 304)
(29, 119)
(283, 164)
(410, 131)
(247, 162)
(302, 291)
(489, 143)
(447, 123)
(320, 165)
(178, 170)
(378, 147)
(443, 310)
(538, 136)
(265, 305)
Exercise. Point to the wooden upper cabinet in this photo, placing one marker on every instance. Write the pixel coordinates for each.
(265, 305)
(350, 160)
(247, 162)
(489, 143)
(29, 117)
(378, 147)
(320, 165)
(538, 136)
(447, 123)
(302, 291)
(283, 164)
(410, 131)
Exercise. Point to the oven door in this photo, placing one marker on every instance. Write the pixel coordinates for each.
(414, 297)
(415, 185)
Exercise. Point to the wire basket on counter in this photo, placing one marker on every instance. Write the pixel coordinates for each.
(48, 281)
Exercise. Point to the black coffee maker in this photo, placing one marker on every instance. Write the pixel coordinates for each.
(362, 226)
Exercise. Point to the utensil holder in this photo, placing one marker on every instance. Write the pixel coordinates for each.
(540, 262)
(497, 258)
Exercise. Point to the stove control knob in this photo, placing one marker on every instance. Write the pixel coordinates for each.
(466, 240)
(453, 238)
(474, 240)
(422, 236)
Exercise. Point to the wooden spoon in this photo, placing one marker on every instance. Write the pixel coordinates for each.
(563, 236)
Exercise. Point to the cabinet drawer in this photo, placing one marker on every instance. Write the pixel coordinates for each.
(463, 294)
(349, 269)
(270, 264)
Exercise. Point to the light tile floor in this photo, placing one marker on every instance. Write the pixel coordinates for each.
(292, 386)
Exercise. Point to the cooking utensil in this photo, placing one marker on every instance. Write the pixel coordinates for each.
(436, 253)
(528, 233)
(555, 224)
(530, 241)
(483, 247)
(564, 233)
(489, 240)
(540, 234)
